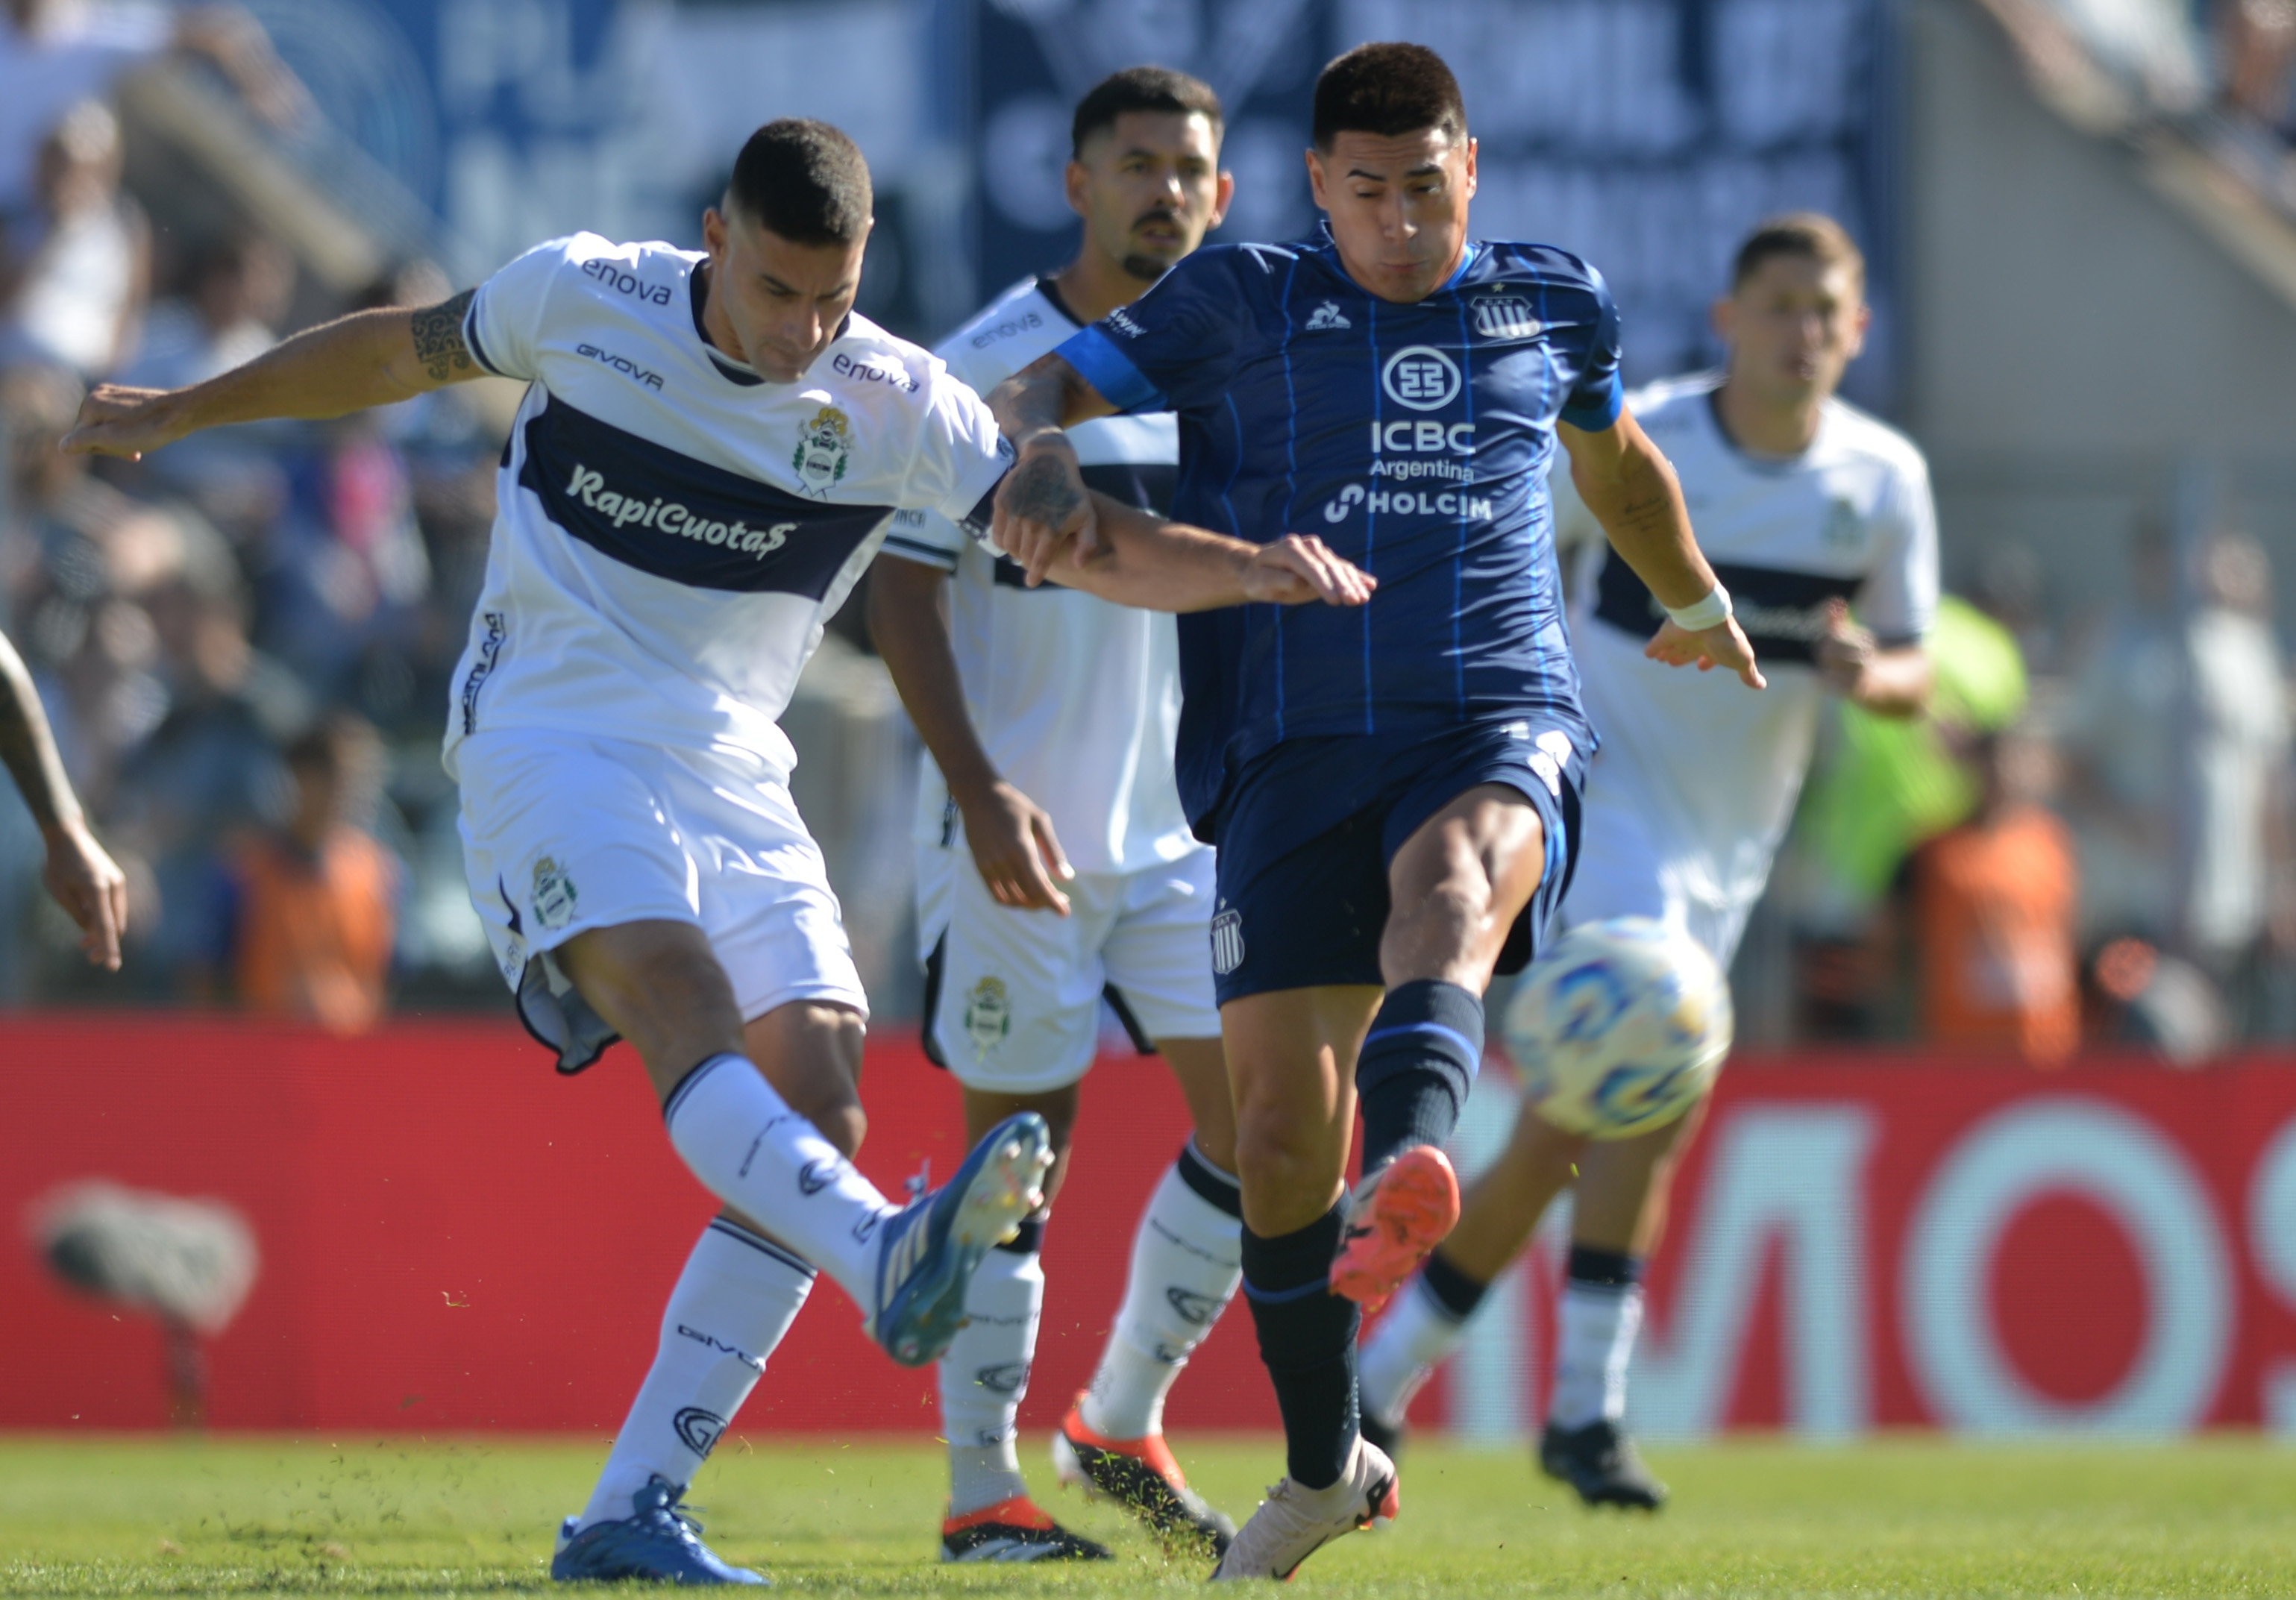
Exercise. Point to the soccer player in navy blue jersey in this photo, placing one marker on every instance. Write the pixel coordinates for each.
(1394, 789)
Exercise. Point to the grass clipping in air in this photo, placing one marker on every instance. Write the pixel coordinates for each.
(359, 1516)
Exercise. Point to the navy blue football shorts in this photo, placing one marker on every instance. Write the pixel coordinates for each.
(1308, 829)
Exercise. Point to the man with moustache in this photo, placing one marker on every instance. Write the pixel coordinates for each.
(1055, 866)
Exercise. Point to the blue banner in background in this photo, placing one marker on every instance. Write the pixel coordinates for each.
(1647, 135)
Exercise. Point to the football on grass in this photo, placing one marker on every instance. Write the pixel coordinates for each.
(1620, 1028)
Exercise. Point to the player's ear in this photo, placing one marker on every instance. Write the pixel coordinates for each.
(1723, 316)
(1471, 168)
(713, 235)
(1315, 179)
(1074, 181)
(1860, 321)
(1221, 200)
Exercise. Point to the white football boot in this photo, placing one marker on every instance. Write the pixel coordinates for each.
(1293, 1523)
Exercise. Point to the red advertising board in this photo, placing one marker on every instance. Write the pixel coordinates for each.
(455, 1239)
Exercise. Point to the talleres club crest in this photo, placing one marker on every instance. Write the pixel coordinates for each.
(822, 451)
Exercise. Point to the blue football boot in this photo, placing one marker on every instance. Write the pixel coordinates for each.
(658, 1543)
(929, 1248)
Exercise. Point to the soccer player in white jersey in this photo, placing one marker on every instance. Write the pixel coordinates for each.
(710, 451)
(1054, 863)
(1807, 507)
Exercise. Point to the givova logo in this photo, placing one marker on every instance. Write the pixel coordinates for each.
(1421, 378)
(697, 1430)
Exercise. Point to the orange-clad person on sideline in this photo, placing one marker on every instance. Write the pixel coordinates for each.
(317, 900)
(1995, 904)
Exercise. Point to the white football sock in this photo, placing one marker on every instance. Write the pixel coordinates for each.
(736, 1298)
(985, 1375)
(1595, 1342)
(1187, 1259)
(752, 1152)
(1415, 1337)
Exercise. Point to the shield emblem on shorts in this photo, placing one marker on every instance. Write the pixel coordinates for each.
(988, 1015)
(554, 897)
(1227, 942)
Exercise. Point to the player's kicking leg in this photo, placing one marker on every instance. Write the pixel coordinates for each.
(1185, 1269)
(1621, 1201)
(1458, 884)
(764, 1115)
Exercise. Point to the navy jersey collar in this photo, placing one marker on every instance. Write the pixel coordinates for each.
(1324, 241)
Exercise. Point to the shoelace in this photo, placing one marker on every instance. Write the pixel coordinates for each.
(683, 1517)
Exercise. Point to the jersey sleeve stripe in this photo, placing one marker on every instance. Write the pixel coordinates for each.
(914, 550)
(1099, 363)
(471, 336)
(1596, 418)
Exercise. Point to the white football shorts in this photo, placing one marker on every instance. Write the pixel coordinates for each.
(562, 833)
(1015, 1005)
(1628, 867)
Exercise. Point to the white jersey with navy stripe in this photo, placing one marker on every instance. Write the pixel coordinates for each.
(1710, 771)
(1077, 700)
(673, 530)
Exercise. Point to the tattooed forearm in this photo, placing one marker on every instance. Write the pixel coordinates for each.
(439, 347)
(1044, 488)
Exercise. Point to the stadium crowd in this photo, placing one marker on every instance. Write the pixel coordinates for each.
(244, 645)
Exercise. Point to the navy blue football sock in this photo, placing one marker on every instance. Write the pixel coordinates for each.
(1450, 1288)
(1602, 1268)
(1418, 1063)
(1307, 1344)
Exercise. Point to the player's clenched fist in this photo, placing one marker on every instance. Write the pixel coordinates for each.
(116, 420)
(1041, 506)
(1299, 567)
(1722, 646)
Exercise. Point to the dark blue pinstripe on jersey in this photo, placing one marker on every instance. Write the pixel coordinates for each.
(1412, 438)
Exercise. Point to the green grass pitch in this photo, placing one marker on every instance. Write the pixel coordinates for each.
(362, 1516)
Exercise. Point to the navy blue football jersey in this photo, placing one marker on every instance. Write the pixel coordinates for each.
(1413, 439)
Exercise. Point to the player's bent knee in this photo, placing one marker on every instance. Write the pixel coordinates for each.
(1288, 1179)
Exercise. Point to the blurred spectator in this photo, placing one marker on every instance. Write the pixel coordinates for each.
(77, 267)
(78, 552)
(236, 291)
(55, 53)
(1882, 787)
(347, 570)
(1994, 902)
(235, 294)
(306, 910)
(2255, 47)
(2238, 911)
(2180, 738)
(2122, 746)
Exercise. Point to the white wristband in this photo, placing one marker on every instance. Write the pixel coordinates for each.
(1710, 612)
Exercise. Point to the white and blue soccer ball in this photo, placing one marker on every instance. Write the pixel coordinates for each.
(1620, 1028)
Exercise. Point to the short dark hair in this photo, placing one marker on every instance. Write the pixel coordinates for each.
(804, 181)
(1810, 233)
(1142, 89)
(1387, 90)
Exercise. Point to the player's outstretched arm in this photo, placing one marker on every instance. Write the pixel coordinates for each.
(82, 878)
(367, 358)
(1043, 507)
(1631, 487)
(1010, 835)
(1162, 566)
